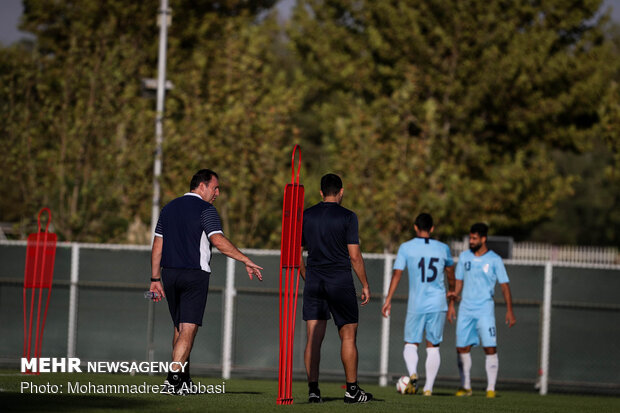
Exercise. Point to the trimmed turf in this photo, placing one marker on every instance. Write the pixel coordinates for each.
(259, 396)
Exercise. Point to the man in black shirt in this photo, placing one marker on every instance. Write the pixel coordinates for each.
(330, 234)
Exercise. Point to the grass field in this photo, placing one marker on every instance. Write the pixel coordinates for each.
(259, 396)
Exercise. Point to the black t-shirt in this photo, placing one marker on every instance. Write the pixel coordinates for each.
(327, 230)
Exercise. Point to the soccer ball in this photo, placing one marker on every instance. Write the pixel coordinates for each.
(401, 384)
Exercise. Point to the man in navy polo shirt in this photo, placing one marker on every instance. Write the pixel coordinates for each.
(330, 234)
(187, 228)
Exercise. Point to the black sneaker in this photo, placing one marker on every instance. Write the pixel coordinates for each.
(173, 389)
(315, 397)
(191, 387)
(360, 396)
(173, 386)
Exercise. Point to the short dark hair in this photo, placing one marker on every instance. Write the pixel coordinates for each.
(331, 184)
(204, 175)
(479, 228)
(424, 222)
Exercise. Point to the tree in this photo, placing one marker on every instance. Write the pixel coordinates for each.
(75, 119)
(451, 107)
(232, 111)
(80, 133)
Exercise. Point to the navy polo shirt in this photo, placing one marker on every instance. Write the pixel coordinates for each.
(186, 224)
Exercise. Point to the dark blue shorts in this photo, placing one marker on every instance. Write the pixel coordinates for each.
(322, 298)
(186, 293)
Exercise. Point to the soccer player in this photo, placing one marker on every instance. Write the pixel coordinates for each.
(426, 261)
(186, 229)
(477, 271)
(330, 234)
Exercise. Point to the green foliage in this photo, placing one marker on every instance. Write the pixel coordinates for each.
(459, 108)
(451, 107)
(75, 119)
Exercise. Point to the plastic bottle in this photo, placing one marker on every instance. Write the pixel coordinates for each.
(150, 295)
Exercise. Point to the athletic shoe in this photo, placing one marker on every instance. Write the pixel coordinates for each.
(173, 389)
(427, 393)
(490, 394)
(190, 387)
(315, 397)
(412, 386)
(463, 392)
(360, 396)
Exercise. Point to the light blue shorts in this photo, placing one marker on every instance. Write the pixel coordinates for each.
(473, 327)
(432, 323)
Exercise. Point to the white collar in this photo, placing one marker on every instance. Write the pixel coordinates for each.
(192, 194)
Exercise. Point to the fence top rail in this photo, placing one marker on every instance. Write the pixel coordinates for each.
(266, 252)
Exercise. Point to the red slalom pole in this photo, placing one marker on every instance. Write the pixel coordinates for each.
(290, 254)
(40, 256)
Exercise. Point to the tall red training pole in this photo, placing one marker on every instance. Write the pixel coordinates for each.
(40, 256)
(290, 255)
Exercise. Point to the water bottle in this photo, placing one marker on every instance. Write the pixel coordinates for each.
(150, 295)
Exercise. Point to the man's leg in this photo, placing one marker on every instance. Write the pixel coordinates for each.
(464, 364)
(182, 343)
(312, 355)
(348, 354)
(487, 332)
(410, 354)
(434, 323)
(348, 351)
(492, 367)
(433, 361)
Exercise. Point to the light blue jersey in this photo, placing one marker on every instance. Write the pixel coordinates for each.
(479, 275)
(425, 260)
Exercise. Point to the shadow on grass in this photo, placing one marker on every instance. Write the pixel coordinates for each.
(341, 400)
(16, 402)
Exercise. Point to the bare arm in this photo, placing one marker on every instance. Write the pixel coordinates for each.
(449, 271)
(451, 314)
(357, 261)
(228, 248)
(156, 286)
(510, 317)
(387, 306)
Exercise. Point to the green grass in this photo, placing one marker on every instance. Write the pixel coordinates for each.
(259, 396)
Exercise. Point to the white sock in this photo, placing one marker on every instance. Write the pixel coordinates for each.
(464, 363)
(492, 366)
(433, 360)
(410, 353)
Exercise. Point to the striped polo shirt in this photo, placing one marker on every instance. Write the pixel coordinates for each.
(186, 224)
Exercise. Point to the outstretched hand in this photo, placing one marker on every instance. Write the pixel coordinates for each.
(253, 270)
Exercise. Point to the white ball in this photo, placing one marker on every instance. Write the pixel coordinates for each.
(401, 384)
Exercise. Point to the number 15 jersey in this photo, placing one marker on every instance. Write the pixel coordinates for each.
(425, 260)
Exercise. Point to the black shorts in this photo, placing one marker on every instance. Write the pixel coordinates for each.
(186, 293)
(322, 298)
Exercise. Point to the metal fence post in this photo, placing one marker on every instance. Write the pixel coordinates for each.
(150, 332)
(385, 324)
(73, 300)
(546, 329)
(227, 333)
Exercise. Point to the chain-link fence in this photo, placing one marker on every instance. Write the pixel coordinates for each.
(567, 334)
